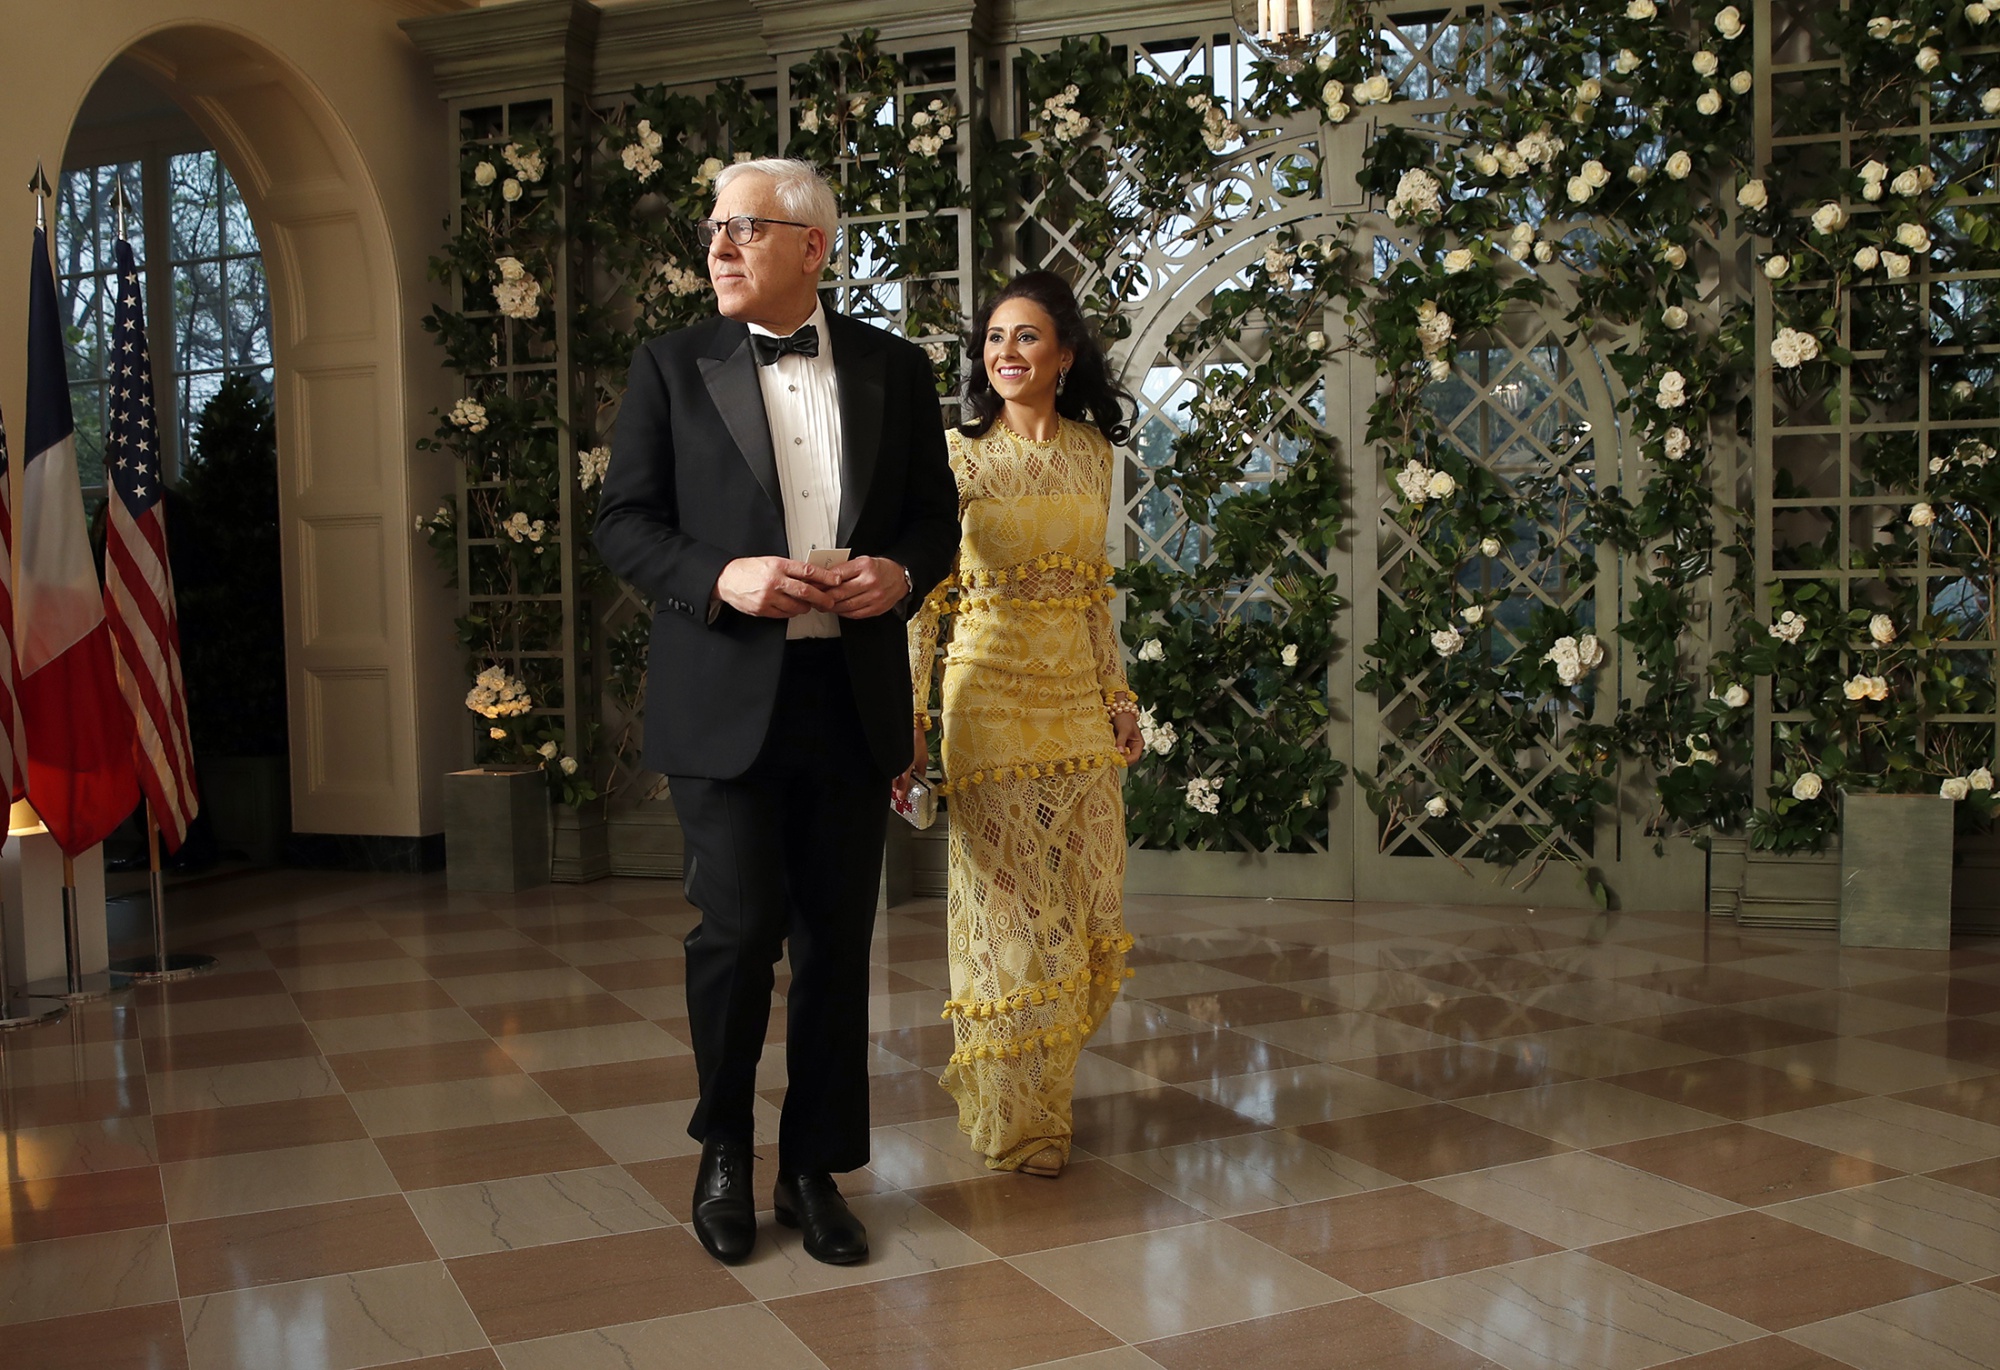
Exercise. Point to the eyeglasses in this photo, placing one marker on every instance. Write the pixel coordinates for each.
(740, 227)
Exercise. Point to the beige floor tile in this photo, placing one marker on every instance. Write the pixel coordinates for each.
(250, 1010)
(1130, 1020)
(1588, 1113)
(913, 1008)
(1566, 1311)
(1377, 990)
(660, 1001)
(904, 1238)
(1169, 978)
(347, 974)
(604, 951)
(1851, 1015)
(646, 1132)
(1231, 1176)
(503, 1215)
(936, 974)
(28, 1066)
(451, 943)
(452, 1103)
(1890, 1132)
(1119, 1358)
(1605, 1001)
(215, 1186)
(1915, 1219)
(591, 1046)
(914, 1155)
(1873, 1067)
(1179, 1279)
(1095, 1075)
(741, 1337)
(254, 1082)
(1610, 962)
(87, 1274)
(41, 1153)
(383, 1031)
(1344, 1036)
(1597, 1051)
(1813, 966)
(1952, 1329)
(1578, 1199)
(372, 1317)
(1304, 1094)
(521, 986)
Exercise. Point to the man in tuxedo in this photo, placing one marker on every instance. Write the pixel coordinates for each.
(751, 452)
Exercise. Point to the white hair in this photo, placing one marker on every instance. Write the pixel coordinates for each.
(799, 186)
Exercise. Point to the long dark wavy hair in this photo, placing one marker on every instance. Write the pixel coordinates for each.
(1088, 395)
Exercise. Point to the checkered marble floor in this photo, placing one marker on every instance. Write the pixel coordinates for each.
(404, 1127)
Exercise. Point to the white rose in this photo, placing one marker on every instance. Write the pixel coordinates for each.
(1922, 515)
(484, 173)
(510, 190)
(1882, 628)
(1872, 191)
(1775, 267)
(548, 750)
(1705, 63)
(1753, 195)
(1698, 750)
(1489, 547)
(1914, 236)
(1594, 172)
(1735, 696)
(1277, 261)
(1672, 391)
(1373, 91)
(1927, 58)
(1881, 26)
(1677, 442)
(1873, 170)
(1447, 641)
(1989, 100)
(1792, 348)
(1674, 255)
(1315, 341)
(1436, 807)
(1151, 650)
(1641, 9)
(1332, 93)
(1679, 165)
(1961, 390)
(1290, 656)
(1708, 102)
(1473, 613)
(1895, 265)
(1829, 218)
(1867, 259)
(1638, 173)
(1626, 62)
(497, 734)
(1440, 485)
(1485, 163)
(1978, 12)
(1545, 251)
(1414, 481)
(1674, 317)
(1981, 779)
(1914, 181)
(568, 765)
(1807, 786)
(1457, 260)
(1729, 23)
(1789, 627)
(1579, 189)
(1741, 82)
(1439, 368)
(1589, 91)
(1956, 788)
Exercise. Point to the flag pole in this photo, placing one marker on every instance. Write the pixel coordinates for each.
(162, 965)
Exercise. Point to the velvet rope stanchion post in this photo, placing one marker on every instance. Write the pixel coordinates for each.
(162, 965)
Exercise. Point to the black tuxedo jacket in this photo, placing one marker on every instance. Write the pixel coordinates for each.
(693, 484)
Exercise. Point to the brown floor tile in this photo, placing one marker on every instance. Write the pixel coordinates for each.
(916, 946)
(365, 1001)
(655, 1080)
(1011, 1214)
(71, 1205)
(1462, 1070)
(973, 1317)
(929, 1046)
(1248, 1004)
(649, 974)
(594, 930)
(551, 1015)
(1369, 1337)
(1734, 1089)
(1388, 1237)
(1479, 1017)
(1747, 1165)
(81, 1101)
(1754, 1267)
(1718, 945)
(201, 1132)
(907, 1096)
(496, 1151)
(203, 989)
(427, 1064)
(1715, 984)
(280, 1245)
(230, 1047)
(333, 953)
(542, 1291)
(1148, 1119)
(462, 1360)
(1212, 1055)
(1290, 964)
(1976, 1099)
(1726, 1031)
(1983, 1176)
(671, 1181)
(1427, 1141)
(148, 1335)
(446, 965)
(1952, 994)
(1765, 1353)
(1969, 1040)
(435, 923)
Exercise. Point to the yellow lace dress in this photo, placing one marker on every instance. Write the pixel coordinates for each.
(1032, 782)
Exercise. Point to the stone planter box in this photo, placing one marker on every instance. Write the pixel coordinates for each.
(579, 843)
(1975, 885)
(496, 829)
(1895, 871)
(644, 839)
(1793, 890)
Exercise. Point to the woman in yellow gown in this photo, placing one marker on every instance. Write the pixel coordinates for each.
(1038, 722)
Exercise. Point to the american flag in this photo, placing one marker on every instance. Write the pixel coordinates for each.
(12, 778)
(138, 588)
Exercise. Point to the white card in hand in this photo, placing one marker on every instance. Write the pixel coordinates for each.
(826, 558)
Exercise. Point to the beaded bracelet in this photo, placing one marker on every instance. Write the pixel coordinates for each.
(1126, 705)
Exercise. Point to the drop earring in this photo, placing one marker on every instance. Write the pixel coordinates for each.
(1062, 379)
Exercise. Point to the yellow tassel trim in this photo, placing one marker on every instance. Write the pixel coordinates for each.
(1033, 770)
(1044, 991)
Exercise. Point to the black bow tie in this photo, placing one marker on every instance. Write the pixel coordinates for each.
(768, 349)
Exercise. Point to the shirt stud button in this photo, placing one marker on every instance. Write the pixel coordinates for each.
(798, 442)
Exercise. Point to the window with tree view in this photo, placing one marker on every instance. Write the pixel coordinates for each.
(213, 316)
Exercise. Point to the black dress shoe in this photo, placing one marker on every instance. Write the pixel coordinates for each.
(725, 1211)
(813, 1204)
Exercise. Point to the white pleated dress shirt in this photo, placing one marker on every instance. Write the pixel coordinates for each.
(802, 404)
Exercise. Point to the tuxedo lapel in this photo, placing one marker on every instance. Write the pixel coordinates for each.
(730, 372)
(859, 367)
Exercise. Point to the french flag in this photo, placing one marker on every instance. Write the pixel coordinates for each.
(76, 727)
